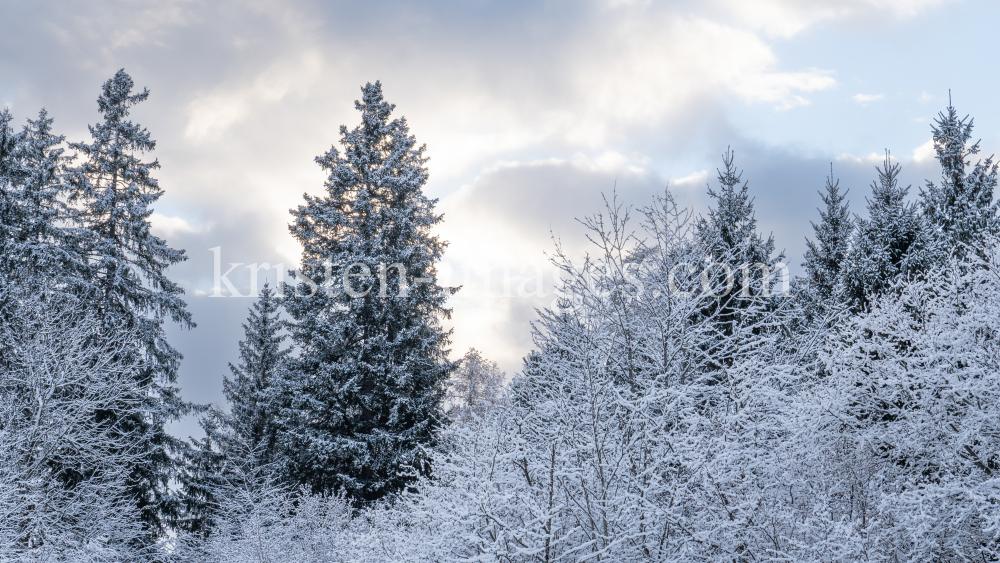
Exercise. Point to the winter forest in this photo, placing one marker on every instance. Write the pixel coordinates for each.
(684, 399)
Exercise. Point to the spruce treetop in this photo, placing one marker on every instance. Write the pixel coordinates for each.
(961, 207)
(895, 241)
(48, 232)
(10, 174)
(251, 390)
(367, 388)
(10, 168)
(825, 256)
(731, 226)
(117, 191)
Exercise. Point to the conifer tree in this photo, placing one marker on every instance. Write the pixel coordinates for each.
(11, 175)
(735, 250)
(252, 391)
(9, 166)
(114, 189)
(893, 242)
(246, 438)
(961, 207)
(42, 235)
(825, 256)
(366, 390)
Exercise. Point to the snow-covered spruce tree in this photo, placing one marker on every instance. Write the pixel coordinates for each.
(252, 392)
(10, 170)
(818, 302)
(246, 436)
(743, 261)
(114, 190)
(63, 473)
(40, 235)
(961, 207)
(11, 177)
(908, 420)
(825, 256)
(366, 390)
(893, 242)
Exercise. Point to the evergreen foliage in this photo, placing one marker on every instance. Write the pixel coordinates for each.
(10, 170)
(42, 241)
(11, 176)
(824, 257)
(365, 392)
(894, 242)
(244, 439)
(114, 190)
(738, 260)
(961, 207)
(252, 391)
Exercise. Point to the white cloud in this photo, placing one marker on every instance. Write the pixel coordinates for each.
(873, 158)
(212, 114)
(787, 18)
(653, 67)
(170, 226)
(694, 180)
(924, 153)
(925, 97)
(660, 63)
(864, 99)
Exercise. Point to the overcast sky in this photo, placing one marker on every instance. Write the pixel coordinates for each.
(530, 111)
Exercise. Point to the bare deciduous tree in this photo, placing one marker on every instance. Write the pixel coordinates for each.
(62, 468)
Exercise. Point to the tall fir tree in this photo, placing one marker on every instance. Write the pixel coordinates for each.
(893, 242)
(252, 393)
(825, 256)
(42, 241)
(11, 176)
(961, 207)
(734, 249)
(114, 189)
(366, 390)
(10, 170)
(244, 439)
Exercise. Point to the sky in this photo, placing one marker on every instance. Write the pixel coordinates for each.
(532, 113)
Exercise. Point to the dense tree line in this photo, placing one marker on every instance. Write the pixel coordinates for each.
(676, 406)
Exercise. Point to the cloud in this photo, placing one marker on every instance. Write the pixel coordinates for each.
(212, 114)
(652, 63)
(924, 153)
(695, 180)
(864, 99)
(872, 158)
(787, 18)
(170, 226)
(530, 112)
(921, 155)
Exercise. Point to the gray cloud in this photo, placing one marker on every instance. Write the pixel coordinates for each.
(530, 111)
